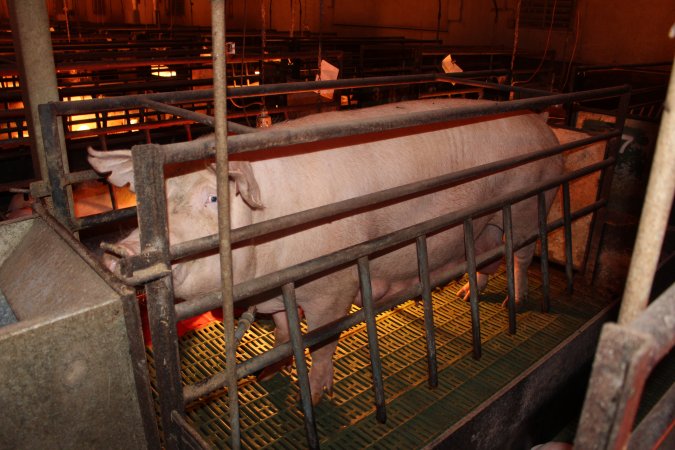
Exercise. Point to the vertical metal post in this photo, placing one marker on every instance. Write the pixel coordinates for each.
(37, 71)
(423, 264)
(605, 183)
(220, 106)
(152, 222)
(543, 238)
(470, 250)
(508, 254)
(567, 221)
(291, 306)
(654, 219)
(374, 349)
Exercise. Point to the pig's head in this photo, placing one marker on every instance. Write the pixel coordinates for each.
(191, 193)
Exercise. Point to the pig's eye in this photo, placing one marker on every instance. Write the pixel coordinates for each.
(212, 198)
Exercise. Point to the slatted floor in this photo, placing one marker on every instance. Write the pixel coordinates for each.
(272, 418)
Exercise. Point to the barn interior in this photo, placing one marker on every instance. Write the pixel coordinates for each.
(96, 359)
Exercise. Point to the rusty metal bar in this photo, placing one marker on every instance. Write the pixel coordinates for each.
(220, 106)
(569, 256)
(543, 255)
(152, 222)
(189, 437)
(470, 251)
(325, 263)
(373, 346)
(508, 253)
(654, 219)
(425, 282)
(298, 346)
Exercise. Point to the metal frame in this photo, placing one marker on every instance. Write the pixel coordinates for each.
(152, 267)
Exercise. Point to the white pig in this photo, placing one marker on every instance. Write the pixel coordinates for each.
(266, 185)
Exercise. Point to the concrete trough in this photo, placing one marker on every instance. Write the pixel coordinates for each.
(72, 360)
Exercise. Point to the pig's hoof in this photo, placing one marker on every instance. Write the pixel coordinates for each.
(270, 371)
(464, 293)
(520, 305)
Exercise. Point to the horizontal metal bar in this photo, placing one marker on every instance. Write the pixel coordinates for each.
(276, 279)
(207, 243)
(282, 137)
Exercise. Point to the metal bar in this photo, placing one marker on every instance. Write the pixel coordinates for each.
(373, 347)
(220, 107)
(281, 137)
(543, 255)
(425, 282)
(325, 263)
(470, 251)
(288, 291)
(323, 212)
(189, 435)
(55, 164)
(605, 184)
(655, 214)
(194, 116)
(508, 253)
(152, 223)
(569, 256)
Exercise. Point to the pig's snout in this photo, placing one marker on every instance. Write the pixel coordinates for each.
(114, 252)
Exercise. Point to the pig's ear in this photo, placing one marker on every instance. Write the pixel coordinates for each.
(247, 186)
(115, 162)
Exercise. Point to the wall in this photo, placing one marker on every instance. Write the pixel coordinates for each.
(606, 32)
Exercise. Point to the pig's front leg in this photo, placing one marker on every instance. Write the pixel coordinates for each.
(281, 335)
(319, 313)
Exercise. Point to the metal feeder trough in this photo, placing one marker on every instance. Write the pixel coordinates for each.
(73, 369)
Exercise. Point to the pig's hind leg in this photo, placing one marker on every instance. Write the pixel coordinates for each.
(281, 335)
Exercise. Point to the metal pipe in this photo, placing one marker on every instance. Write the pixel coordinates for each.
(508, 253)
(288, 291)
(277, 137)
(425, 282)
(569, 256)
(373, 346)
(543, 254)
(470, 251)
(220, 105)
(655, 213)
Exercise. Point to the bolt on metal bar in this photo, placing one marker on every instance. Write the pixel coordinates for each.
(288, 291)
(508, 253)
(543, 239)
(569, 256)
(470, 251)
(373, 346)
(225, 251)
(425, 282)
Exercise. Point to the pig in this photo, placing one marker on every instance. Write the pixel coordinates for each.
(265, 185)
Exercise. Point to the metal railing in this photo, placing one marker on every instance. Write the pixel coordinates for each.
(156, 260)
